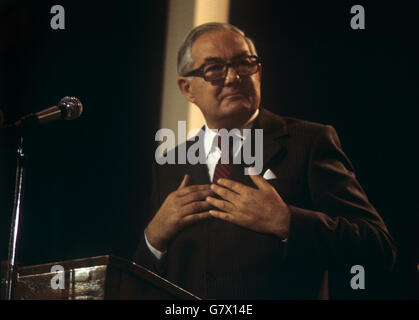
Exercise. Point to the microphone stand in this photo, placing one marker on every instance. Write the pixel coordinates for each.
(69, 108)
(17, 210)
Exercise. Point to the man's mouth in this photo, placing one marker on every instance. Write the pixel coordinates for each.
(234, 96)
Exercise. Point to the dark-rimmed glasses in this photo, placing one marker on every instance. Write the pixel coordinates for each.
(216, 71)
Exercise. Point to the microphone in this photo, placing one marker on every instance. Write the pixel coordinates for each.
(69, 108)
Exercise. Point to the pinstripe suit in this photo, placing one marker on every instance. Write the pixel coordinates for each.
(333, 225)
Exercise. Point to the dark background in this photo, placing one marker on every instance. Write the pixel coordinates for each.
(88, 180)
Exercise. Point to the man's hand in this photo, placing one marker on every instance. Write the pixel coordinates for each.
(181, 208)
(261, 209)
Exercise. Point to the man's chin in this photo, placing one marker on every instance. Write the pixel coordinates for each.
(238, 107)
(236, 113)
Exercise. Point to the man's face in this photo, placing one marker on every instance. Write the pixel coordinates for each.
(231, 102)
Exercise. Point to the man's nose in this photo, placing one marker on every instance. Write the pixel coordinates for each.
(231, 76)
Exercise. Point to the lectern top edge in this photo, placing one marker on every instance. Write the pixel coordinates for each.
(114, 263)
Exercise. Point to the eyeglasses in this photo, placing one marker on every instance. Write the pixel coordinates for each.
(216, 71)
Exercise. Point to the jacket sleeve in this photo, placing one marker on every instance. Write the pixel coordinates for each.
(143, 255)
(342, 228)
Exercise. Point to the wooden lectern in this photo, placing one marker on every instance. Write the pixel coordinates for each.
(98, 278)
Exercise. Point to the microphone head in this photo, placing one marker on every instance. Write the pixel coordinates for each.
(71, 108)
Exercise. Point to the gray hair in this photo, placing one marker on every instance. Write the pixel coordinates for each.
(185, 61)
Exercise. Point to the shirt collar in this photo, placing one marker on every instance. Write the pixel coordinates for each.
(210, 134)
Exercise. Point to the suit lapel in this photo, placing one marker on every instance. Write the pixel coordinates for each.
(274, 128)
(197, 172)
(274, 149)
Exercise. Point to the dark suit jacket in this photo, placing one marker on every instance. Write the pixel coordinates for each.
(333, 225)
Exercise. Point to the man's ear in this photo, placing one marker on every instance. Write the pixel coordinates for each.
(185, 87)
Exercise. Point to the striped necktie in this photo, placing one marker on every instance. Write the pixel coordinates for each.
(222, 170)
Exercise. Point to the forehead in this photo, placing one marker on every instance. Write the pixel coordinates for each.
(219, 44)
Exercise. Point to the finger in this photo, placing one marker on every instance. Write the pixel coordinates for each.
(258, 179)
(223, 216)
(189, 189)
(221, 204)
(184, 182)
(237, 187)
(235, 218)
(194, 207)
(225, 193)
(199, 195)
(187, 220)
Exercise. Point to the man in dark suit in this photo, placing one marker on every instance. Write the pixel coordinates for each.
(293, 231)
